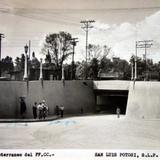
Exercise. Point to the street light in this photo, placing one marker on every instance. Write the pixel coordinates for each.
(63, 77)
(41, 72)
(25, 66)
(63, 73)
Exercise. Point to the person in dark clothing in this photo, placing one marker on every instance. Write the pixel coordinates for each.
(44, 112)
(82, 110)
(62, 110)
(23, 107)
(40, 110)
(34, 108)
(45, 109)
(57, 110)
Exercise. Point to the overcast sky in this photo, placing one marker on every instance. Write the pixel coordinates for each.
(119, 23)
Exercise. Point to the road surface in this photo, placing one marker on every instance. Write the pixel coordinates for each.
(88, 132)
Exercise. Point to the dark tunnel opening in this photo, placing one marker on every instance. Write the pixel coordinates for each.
(107, 101)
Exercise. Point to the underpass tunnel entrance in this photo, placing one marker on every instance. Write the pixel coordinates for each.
(107, 101)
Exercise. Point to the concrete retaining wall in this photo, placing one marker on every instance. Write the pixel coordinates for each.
(73, 95)
(144, 100)
(9, 98)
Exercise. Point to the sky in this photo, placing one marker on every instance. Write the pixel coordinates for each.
(118, 24)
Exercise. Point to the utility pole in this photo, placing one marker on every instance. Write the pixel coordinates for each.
(29, 58)
(86, 26)
(144, 44)
(29, 49)
(132, 68)
(1, 36)
(73, 42)
(135, 62)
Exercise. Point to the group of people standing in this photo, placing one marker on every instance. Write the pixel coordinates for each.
(40, 110)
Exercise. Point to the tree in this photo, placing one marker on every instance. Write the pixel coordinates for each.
(94, 51)
(98, 52)
(81, 70)
(48, 58)
(94, 68)
(59, 46)
(34, 63)
(125, 68)
(20, 63)
(105, 64)
(7, 64)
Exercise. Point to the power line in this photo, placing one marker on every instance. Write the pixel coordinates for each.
(59, 15)
(46, 19)
(41, 16)
(52, 10)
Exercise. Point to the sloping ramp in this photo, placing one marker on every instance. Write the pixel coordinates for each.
(144, 100)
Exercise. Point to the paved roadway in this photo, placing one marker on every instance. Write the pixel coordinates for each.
(88, 132)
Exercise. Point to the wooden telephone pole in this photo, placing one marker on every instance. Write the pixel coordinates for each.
(86, 26)
(142, 44)
(1, 36)
(73, 42)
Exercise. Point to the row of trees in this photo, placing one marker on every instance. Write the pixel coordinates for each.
(58, 47)
(92, 68)
(105, 65)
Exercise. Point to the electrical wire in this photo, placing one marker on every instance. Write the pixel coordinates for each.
(61, 16)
